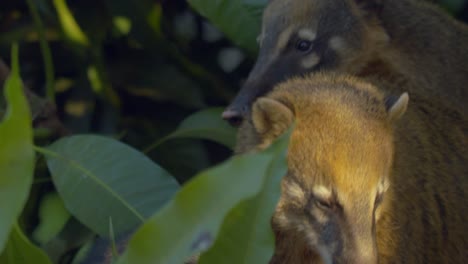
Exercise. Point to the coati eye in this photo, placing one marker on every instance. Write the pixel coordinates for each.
(324, 204)
(323, 198)
(303, 45)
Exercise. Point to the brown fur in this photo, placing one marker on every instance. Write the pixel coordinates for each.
(411, 40)
(349, 138)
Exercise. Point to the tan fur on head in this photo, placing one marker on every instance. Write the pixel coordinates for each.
(370, 180)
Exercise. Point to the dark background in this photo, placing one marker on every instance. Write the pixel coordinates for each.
(152, 75)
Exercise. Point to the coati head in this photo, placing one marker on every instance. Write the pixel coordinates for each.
(339, 159)
(300, 36)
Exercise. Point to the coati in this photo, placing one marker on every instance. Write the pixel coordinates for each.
(411, 39)
(371, 178)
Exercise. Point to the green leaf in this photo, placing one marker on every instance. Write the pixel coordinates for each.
(246, 235)
(205, 124)
(19, 250)
(239, 19)
(52, 218)
(16, 152)
(190, 223)
(70, 27)
(100, 178)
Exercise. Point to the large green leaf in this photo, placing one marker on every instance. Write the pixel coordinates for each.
(101, 179)
(205, 124)
(239, 19)
(19, 250)
(16, 152)
(246, 235)
(190, 223)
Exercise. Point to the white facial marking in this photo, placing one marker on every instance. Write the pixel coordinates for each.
(283, 38)
(307, 34)
(322, 192)
(310, 61)
(320, 217)
(295, 191)
(337, 44)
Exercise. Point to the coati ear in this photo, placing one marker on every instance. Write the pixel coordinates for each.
(396, 106)
(271, 118)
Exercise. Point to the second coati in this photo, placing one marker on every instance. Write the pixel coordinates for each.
(371, 179)
(396, 40)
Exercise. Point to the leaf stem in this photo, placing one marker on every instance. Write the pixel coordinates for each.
(156, 144)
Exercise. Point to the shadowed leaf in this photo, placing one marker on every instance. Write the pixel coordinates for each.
(52, 218)
(190, 223)
(205, 124)
(100, 178)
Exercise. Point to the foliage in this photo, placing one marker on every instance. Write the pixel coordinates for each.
(189, 224)
(238, 19)
(20, 250)
(139, 84)
(205, 124)
(16, 153)
(245, 236)
(126, 186)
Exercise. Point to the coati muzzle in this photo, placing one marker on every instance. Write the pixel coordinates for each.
(266, 73)
(240, 106)
(256, 85)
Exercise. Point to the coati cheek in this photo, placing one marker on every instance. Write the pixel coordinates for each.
(338, 45)
(319, 216)
(294, 192)
(310, 61)
(323, 236)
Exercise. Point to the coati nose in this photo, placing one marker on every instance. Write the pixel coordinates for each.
(233, 117)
